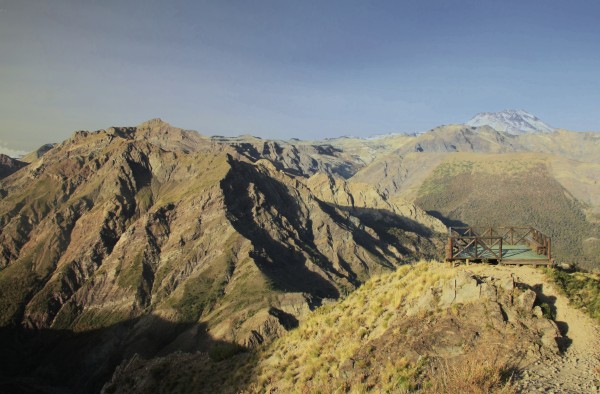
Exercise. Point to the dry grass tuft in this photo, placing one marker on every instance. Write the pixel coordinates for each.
(472, 375)
(312, 356)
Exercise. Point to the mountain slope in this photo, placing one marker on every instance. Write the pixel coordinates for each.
(8, 165)
(457, 171)
(152, 239)
(36, 154)
(520, 190)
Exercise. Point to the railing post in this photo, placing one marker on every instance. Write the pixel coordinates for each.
(500, 248)
(449, 248)
(549, 249)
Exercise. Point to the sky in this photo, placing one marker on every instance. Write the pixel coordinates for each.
(292, 69)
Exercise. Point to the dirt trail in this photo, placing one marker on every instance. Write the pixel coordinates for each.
(578, 369)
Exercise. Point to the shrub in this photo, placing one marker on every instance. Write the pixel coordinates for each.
(583, 290)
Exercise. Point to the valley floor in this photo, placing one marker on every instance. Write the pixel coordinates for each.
(578, 369)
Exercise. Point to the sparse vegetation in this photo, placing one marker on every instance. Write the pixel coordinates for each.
(199, 293)
(326, 352)
(131, 275)
(547, 311)
(144, 198)
(356, 345)
(582, 289)
(479, 374)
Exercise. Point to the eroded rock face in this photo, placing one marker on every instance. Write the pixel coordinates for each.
(156, 239)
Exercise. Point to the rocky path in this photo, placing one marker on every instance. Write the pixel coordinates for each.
(577, 370)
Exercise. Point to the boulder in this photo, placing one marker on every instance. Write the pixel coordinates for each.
(508, 284)
(488, 292)
(467, 293)
(526, 300)
(464, 278)
(448, 293)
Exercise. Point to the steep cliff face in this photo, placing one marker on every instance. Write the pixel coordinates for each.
(152, 239)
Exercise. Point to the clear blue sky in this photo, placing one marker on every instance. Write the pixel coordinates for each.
(281, 69)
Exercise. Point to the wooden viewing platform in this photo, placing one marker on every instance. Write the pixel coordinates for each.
(504, 245)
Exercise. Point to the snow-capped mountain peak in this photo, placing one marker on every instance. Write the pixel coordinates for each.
(511, 121)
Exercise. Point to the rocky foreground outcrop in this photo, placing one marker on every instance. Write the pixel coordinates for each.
(418, 329)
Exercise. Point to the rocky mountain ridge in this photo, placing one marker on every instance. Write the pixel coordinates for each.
(151, 239)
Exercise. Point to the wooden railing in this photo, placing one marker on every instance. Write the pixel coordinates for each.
(479, 243)
(474, 247)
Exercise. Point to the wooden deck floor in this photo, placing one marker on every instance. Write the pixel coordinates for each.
(510, 252)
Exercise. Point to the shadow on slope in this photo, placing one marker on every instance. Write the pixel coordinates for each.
(548, 305)
(395, 230)
(63, 361)
(283, 264)
(446, 220)
(383, 218)
(281, 222)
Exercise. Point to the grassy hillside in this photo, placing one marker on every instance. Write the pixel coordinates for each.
(582, 289)
(313, 356)
(503, 192)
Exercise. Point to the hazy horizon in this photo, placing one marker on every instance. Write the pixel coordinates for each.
(308, 70)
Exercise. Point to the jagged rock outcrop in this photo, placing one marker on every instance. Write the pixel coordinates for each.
(505, 301)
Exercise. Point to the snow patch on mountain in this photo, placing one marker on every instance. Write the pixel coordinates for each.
(511, 121)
